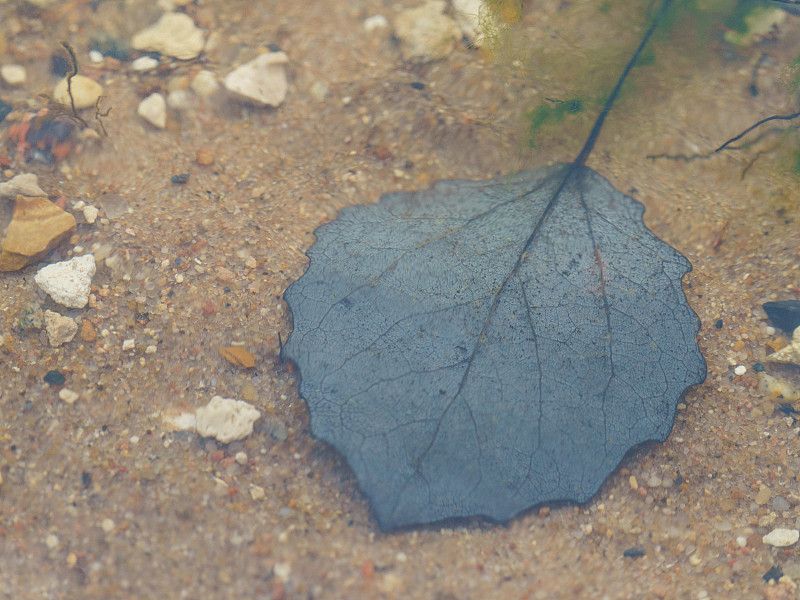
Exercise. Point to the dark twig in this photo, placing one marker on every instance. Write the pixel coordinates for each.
(74, 64)
(761, 122)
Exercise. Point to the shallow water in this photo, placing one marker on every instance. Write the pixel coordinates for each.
(102, 499)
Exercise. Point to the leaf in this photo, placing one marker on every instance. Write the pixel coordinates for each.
(482, 347)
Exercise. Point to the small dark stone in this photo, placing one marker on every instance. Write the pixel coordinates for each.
(758, 367)
(59, 65)
(180, 179)
(787, 409)
(679, 480)
(785, 315)
(719, 324)
(775, 572)
(55, 378)
(418, 86)
(4, 110)
(634, 552)
(86, 479)
(274, 48)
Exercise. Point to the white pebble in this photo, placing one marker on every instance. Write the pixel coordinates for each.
(129, 344)
(151, 349)
(257, 492)
(262, 80)
(85, 91)
(90, 213)
(68, 282)
(740, 370)
(175, 34)
(51, 541)
(60, 329)
(282, 570)
(375, 22)
(179, 278)
(144, 63)
(226, 420)
(68, 395)
(107, 525)
(241, 458)
(95, 56)
(204, 84)
(781, 538)
(153, 109)
(13, 74)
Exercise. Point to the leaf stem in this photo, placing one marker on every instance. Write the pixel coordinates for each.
(598, 124)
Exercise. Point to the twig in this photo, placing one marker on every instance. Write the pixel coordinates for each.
(761, 122)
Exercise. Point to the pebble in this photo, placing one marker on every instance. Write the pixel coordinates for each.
(204, 84)
(425, 32)
(85, 92)
(740, 370)
(153, 109)
(282, 570)
(144, 63)
(262, 80)
(90, 213)
(51, 541)
(107, 525)
(790, 354)
(88, 332)
(780, 503)
(467, 14)
(241, 458)
(375, 22)
(654, 481)
(60, 329)
(236, 355)
(128, 344)
(26, 184)
(781, 538)
(226, 420)
(68, 396)
(54, 378)
(179, 100)
(68, 282)
(36, 227)
(205, 157)
(257, 492)
(13, 75)
(174, 34)
(763, 495)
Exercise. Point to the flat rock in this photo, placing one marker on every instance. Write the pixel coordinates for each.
(425, 32)
(174, 34)
(790, 354)
(262, 80)
(781, 538)
(60, 329)
(85, 92)
(26, 184)
(153, 109)
(68, 282)
(36, 227)
(226, 420)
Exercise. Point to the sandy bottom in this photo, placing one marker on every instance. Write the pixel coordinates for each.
(100, 499)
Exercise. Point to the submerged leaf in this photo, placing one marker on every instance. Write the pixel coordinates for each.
(482, 347)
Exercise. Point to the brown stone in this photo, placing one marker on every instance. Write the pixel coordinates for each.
(37, 226)
(205, 157)
(238, 356)
(88, 332)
